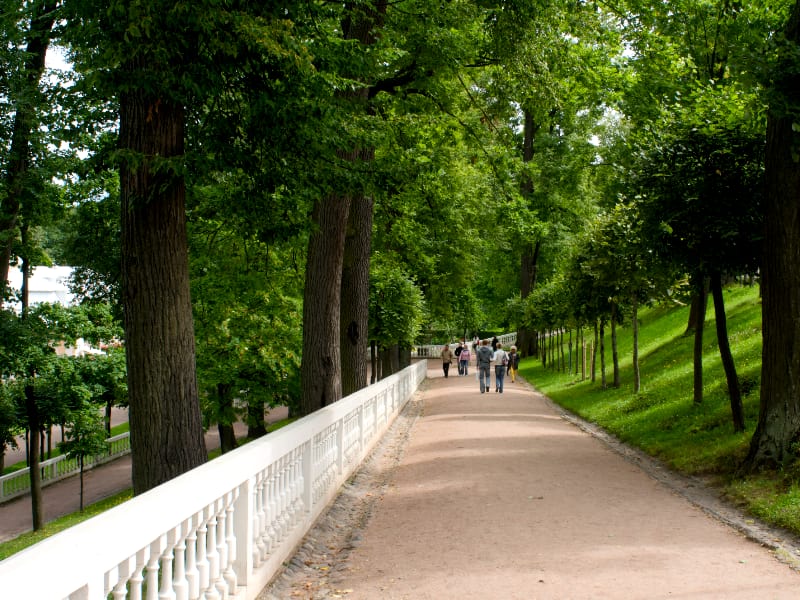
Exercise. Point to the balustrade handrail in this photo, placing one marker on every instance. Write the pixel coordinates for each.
(435, 350)
(224, 528)
(18, 483)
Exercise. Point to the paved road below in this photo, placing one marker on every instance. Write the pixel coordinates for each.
(497, 496)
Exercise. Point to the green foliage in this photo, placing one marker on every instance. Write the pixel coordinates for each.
(395, 305)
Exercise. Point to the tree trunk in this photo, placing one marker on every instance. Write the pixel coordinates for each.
(355, 295)
(165, 423)
(80, 460)
(529, 258)
(778, 429)
(699, 326)
(594, 352)
(26, 122)
(256, 427)
(320, 371)
(227, 436)
(373, 357)
(32, 414)
(637, 378)
(737, 410)
(603, 384)
(614, 348)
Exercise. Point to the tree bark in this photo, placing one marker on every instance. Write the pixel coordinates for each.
(637, 378)
(34, 426)
(778, 429)
(614, 347)
(699, 326)
(355, 295)
(603, 383)
(526, 337)
(166, 428)
(737, 410)
(26, 123)
(320, 371)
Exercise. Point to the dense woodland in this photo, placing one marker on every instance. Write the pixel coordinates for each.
(260, 198)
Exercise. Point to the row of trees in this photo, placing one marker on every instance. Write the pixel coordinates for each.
(262, 191)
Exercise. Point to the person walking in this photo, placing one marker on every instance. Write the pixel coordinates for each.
(463, 361)
(500, 359)
(447, 358)
(458, 357)
(513, 364)
(484, 359)
(494, 344)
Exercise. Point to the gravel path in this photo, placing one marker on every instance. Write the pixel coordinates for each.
(507, 496)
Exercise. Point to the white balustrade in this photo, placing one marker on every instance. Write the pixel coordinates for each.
(222, 530)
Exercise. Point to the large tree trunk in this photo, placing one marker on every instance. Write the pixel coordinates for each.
(355, 295)
(26, 122)
(166, 428)
(526, 337)
(778, 430)
(737, 410)
(320, 371)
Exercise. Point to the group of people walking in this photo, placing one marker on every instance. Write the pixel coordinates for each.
(486, 353)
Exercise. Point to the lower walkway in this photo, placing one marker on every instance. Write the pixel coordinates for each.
(498, 496)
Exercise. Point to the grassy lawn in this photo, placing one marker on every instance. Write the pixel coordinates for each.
(662, 419)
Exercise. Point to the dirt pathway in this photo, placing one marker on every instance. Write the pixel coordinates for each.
(484, 496)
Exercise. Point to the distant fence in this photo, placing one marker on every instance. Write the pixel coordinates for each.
(224, 529)
(435, 350)
(18, 483)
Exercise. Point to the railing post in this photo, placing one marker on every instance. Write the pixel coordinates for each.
(308, 474)
(243, 522)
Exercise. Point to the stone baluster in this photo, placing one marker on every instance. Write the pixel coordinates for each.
(167, 591)
(202, 556)
(180, 582)
(230, 538)
(192, 572)
(151, 571)
(212, 555)
(124, 572)
(259, 550)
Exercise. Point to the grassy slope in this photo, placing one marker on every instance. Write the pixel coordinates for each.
(663, 421)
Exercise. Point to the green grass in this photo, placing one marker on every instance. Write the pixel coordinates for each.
(662, 419)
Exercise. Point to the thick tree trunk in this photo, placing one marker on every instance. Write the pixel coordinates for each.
(737, 410)
(529, 259)
(355, 295)
(166, 428)
(320, 371)
(778, 430)
(26, 122)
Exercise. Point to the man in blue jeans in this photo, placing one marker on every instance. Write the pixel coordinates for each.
(484, 355)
